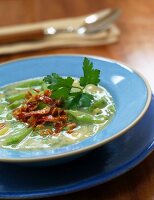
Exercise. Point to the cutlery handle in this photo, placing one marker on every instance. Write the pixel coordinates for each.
(25, 36)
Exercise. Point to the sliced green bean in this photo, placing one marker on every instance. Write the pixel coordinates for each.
(14, 105)
(9, 116)
(82, 117)
(2, 107)
(111, 108)
(16, 97)
(44, 86)
(4, 130)
(101, 103)
(31, 83)
(17, 138)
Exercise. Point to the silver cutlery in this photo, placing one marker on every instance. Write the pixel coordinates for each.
(92, 24)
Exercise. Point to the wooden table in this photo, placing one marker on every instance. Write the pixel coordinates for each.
(136, 48)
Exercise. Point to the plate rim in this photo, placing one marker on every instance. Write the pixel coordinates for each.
(93, 146)
(89, 183)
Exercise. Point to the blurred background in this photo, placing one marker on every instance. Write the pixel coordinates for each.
(134, 46)
(136, 24)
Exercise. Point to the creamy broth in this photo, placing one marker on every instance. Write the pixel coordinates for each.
(34, 140)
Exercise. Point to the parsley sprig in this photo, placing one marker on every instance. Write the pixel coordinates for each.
(61, 87)
(91, 76)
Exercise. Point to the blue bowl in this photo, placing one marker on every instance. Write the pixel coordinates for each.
(130, 91)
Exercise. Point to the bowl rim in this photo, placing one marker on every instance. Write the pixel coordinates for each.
(93, 146)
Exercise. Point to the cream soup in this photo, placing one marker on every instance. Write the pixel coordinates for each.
(16, 134)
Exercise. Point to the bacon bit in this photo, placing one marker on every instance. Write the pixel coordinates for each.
(71, 125)
(50, 118)
(30, 113)
(32, 121)
(59, 126)
(17, 113)
(40, 126)
(32, 105)
(43, 111)
(57, 111)
(48, 93)
(54, 111)
(46, 132)
(69, 131)
(2, 125)
(45, 99)
(36, 90)
(28, 95)
(58, 102)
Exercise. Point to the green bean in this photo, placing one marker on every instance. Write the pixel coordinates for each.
(82, 117)
(14, 105)
(9, 116)
(17, 138)
(111, 108)
(31, 83)
(4, 130)
(44, 86)
(101, 103)
(2, 107)
(16, 97)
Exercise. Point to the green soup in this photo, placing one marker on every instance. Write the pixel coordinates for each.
(15, 134)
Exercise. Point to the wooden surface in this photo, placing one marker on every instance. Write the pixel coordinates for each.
(136, 48)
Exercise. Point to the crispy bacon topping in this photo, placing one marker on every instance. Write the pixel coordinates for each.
(39, 109)
(43, 111)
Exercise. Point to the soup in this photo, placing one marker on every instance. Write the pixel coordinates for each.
(38, 114)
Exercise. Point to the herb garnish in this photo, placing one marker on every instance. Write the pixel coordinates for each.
(91, 76)
(61, 87)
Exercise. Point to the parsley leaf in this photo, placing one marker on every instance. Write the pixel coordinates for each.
(73, 100)
(85, 100)
(78, 99)
(91, 76)
(61, 87)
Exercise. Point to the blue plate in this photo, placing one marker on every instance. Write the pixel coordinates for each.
(99, 166)
(131, 93)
